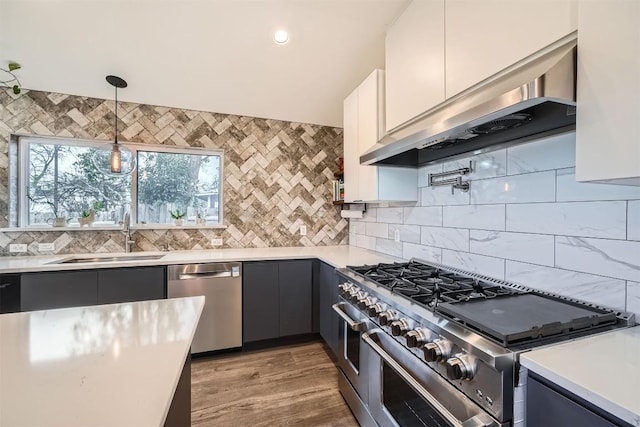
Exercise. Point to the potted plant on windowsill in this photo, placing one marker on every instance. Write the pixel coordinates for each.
(177, 216)
(87, 217)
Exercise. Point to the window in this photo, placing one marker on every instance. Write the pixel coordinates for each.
(58, 179)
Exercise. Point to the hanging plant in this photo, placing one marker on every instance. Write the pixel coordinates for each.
(13, 82)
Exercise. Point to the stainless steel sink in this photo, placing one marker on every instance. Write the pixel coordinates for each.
(82, 260)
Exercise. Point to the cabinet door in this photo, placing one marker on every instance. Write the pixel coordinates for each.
(607, 126)
(295, 279)
(483, 37)
(370, 120)
(42, 291)
(131, 284)
(9, 293)
(328, 296)
(260, 301)
(351, 154)
(414, 62)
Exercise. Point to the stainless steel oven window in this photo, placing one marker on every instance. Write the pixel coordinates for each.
(405, 405)
(352, 347)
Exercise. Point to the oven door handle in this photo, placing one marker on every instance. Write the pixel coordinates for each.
(356, 326)
(474, 421)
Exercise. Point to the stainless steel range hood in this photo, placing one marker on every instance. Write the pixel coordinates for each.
(536, 96)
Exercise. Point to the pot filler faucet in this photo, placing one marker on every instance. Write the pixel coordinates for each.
(126, 230)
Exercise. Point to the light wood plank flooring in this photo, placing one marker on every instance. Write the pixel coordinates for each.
(293, 385)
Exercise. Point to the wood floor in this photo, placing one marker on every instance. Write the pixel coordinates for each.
(294, 385)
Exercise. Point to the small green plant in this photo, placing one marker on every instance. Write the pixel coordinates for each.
(177, 214)
(16, 83)
(85, 213)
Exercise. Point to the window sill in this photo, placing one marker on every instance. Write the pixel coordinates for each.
(113, 228)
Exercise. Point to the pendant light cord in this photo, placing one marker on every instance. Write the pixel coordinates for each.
(116, 135)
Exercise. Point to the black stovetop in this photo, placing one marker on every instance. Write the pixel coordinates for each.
(505, 315)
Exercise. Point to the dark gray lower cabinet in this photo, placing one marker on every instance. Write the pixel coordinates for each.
(549, 405)
(277, 299)
(260, 301)
(131, 284)
(328, 283)
(59, 289)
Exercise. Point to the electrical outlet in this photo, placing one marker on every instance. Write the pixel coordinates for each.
(303, 230)
(216, 241)
(396, 235)
(46, 247)
(17, 247)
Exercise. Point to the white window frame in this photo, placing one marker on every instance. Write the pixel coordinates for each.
(23, 171)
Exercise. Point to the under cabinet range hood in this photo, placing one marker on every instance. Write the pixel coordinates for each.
(536, 96)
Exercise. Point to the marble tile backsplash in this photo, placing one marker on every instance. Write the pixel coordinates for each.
(525, 220)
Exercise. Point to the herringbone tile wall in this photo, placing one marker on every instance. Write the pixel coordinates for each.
(277, 175)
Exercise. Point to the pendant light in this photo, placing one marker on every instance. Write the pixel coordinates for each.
(115, 159)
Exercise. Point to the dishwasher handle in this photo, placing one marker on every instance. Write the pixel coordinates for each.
(204, 271)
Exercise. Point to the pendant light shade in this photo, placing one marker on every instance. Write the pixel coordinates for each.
(115, 159)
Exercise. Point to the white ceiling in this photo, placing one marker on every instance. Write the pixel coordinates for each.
(211, 55)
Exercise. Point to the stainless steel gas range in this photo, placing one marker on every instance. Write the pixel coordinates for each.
(426, 344)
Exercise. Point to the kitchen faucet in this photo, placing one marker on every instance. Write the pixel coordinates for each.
(126, 230)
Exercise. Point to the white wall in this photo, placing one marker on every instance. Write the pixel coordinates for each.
(525, 220)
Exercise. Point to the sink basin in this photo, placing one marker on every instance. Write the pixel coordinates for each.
(82, 260)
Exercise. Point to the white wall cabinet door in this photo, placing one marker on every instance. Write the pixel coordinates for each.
(483, 37)
(414, 62)
(608, 112)
(363, 127)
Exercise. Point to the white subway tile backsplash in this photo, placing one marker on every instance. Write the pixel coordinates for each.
(526, 188)
(390, 215)
(423, 215)
(426, 253)
(582, 219)
(596, 289)
(439, 196)
(486, 165)
(370, 214)
(612, 258)
(366, 242)
(633, 298)
(633, 220)
(555, 152)
(569, 190)
(484, 217)
(485, 265)
(389, 247)
(449, 238)
(534, 248)
(408, 233)
(357, 227)
(377, 230)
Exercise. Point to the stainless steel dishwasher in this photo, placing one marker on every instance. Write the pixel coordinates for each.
(220, 325)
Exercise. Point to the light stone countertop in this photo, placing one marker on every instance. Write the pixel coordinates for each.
(337, 256)
(108, 365)
(603, 369)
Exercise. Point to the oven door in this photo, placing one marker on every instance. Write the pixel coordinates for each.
(404, 391)
(354, 354)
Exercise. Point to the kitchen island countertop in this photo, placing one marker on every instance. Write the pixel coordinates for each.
(603, 369)
(337, 256)
(108, 365)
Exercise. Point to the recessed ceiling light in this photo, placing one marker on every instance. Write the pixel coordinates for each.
(281, 37)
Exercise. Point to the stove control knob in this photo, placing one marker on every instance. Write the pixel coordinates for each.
(386, 317)
(358, 296)
(353, 290)
(375, 310)
(416, 338)
(344, 288)
(459, 368)
(399, 327)
(364, 303)
(437, 351)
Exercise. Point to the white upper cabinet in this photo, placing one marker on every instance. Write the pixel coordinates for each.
(414, 61)
(608, 114)
(483, 37)
(363, 127)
